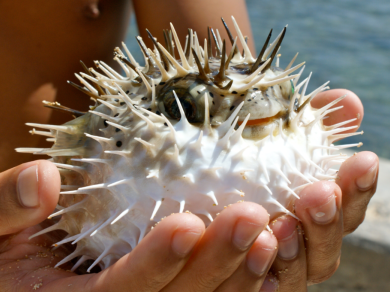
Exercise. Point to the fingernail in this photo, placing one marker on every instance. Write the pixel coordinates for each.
(27, 187)
(270, 284)
(367, 180)
(325, 213)
(260, 260)
(288, 246)
(183, 242)
(245, 233)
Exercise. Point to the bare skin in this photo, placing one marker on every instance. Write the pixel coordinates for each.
(213, 261)
(193, 14)
(35, 53)
(43, 50)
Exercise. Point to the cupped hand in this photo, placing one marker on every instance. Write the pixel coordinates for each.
(327, 210)
(179, 254)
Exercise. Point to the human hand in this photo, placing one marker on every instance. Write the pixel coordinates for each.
(328, 210)
(177, 255)
(144, 271)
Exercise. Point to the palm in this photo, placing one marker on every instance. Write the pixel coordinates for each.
(29, 264)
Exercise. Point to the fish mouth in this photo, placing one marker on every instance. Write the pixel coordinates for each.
(263, 121)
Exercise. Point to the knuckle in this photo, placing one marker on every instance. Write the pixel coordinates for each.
(366, 197)
(157, 279)
(324, 273)
(351, 224)
(90, 283)
(325, 252)
(152, 283)
(5, 224)
(212, 279)
(204, 284)
(8, 203)
(350, 229)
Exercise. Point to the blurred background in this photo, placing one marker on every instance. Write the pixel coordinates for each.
(344, 41)
(348, 43)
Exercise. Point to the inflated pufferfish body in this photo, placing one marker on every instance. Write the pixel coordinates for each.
(191, 135)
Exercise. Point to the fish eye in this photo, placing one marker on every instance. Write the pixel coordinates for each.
(187, 102)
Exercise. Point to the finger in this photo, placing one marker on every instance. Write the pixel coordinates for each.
(357, 178)
(319, 208)
(352, 107)
(270, 284)
(28, 194)
(222, 249)
(154, 262)
(290, 263)
(253, 270)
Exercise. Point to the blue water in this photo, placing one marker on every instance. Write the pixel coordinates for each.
(344, 41)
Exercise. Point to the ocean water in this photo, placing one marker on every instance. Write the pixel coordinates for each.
(344, 41)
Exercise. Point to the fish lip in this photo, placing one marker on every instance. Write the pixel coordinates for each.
(262, 121)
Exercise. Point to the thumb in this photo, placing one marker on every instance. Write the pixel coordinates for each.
(28, 194)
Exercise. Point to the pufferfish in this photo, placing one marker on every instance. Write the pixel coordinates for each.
(188, 134)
